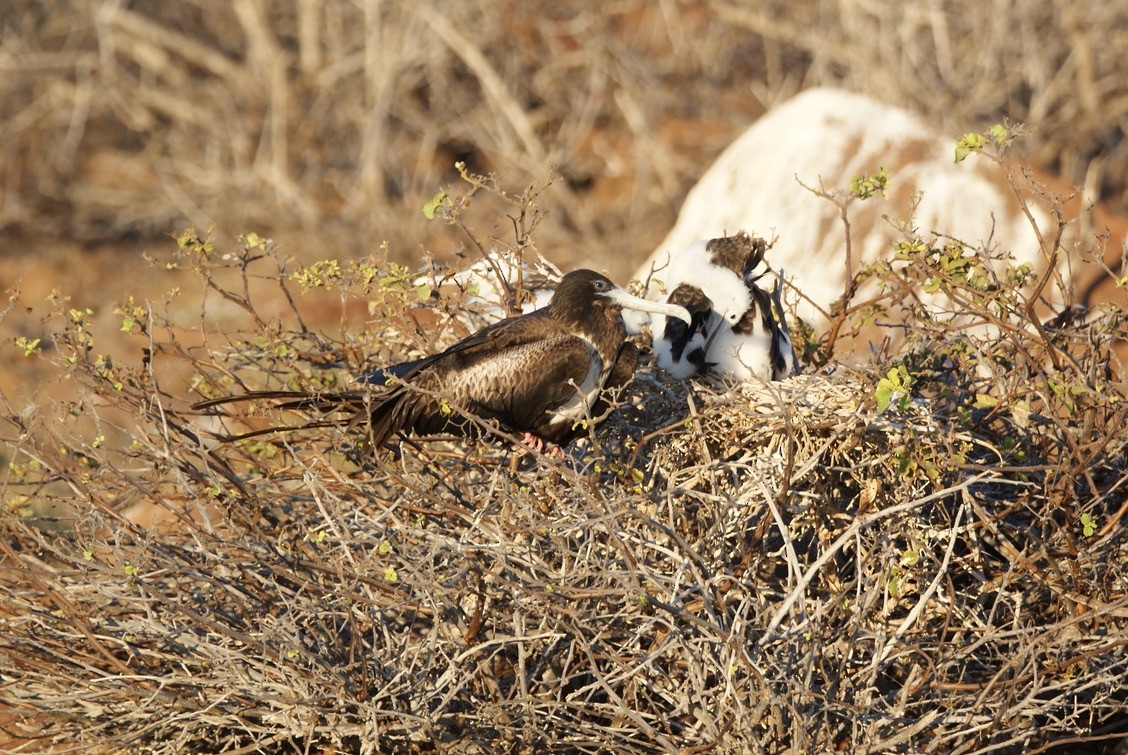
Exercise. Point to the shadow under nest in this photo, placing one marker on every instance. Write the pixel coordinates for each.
(756, 568)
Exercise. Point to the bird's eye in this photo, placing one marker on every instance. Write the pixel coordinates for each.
(600, 285)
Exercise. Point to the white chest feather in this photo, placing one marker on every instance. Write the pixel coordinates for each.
(743, 356)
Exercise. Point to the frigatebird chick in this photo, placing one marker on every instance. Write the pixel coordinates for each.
(734, 331)
(543, 375)
(759, 346)
(707, 279)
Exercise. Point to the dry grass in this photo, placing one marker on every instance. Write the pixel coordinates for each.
(758, 569)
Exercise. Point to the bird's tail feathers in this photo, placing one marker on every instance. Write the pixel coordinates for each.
(322, 402)
(391, 415)
(352, 402)
(279, 429)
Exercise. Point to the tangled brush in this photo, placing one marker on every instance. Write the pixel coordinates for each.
(870, 561)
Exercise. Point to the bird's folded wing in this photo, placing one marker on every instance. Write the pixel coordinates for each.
(516, 384)
(499, 335)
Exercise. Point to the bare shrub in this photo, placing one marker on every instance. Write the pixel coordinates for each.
(925, 556)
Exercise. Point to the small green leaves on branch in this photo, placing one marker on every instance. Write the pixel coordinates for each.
(967, 144)
(29, 345)
(436, 202)
(975, 142)
(132, 315)
(896, 386)
(190, 243)
(321, 274)
(864, 187)
(985, 401)
(253, 241)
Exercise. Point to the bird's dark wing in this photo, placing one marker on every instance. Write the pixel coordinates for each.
(499, 335)
(510, 376)
(752, 270)
(758, 318)
(784, 362)
(766, 318)
(509, 330)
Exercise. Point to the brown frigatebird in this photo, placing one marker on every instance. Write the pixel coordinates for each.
(543, 375)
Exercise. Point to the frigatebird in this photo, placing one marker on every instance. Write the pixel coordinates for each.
(503, 282)
(759, 346)
(706, 279)
(734, 331)
(544, 375)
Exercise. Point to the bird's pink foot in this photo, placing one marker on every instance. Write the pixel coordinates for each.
(540, 444)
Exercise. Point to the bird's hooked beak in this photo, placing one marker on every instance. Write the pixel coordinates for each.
(626, 301)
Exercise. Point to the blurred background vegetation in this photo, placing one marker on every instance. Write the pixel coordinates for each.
(333, 123)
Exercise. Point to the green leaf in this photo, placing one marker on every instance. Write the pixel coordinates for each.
(390, 574)
(384, 548)
(884, 395)
(29, 345)
(985, 401)
(1088, 524)
(967, 144)
(435, 203)
(999, 134)
(895, 385)
(864, 187)
(893, 582)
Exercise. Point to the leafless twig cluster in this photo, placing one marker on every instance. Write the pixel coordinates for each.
(917, 561)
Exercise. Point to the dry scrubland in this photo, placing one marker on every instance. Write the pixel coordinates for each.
(921, 555)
